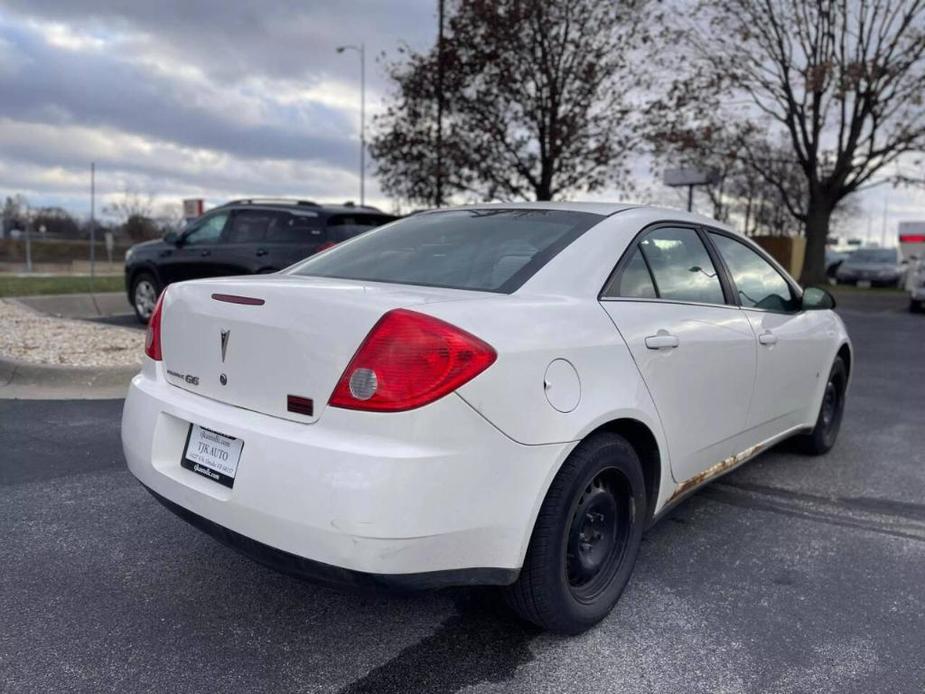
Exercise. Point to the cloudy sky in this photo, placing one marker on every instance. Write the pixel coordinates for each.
(218, 98)
(181, 98)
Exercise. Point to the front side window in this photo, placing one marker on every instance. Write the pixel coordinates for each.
(484, 249)
(758, 283)
(207, 230)
(671, 264)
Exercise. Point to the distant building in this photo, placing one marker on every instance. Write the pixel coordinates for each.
(912, 239)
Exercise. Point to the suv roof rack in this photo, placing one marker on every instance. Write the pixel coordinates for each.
(351, 203)
(272, 201)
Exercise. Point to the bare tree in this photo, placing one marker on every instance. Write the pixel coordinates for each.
(134, 212)
(535, 101)
(15, 213)
(843, 80)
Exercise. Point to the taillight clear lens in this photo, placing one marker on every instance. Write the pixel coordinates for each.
(153, 335)
(409, 360)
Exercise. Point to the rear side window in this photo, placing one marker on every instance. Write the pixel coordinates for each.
(681, 267)
(635, 280)
(489, 250)
(758, 283)
(249, 226)
(671, 264)
(294, 228)
(345, 226)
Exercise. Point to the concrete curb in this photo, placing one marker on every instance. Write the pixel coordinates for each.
(77, 305)
(21, 380)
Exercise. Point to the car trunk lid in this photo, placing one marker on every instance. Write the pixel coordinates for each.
(257, 343)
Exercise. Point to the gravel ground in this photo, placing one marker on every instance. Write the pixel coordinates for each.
(39, 339)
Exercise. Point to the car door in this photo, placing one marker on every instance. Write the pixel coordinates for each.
(245, 249)
(791, 343)
(695, 351)
(190, 259)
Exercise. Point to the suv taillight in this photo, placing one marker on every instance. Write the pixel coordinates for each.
(408, 360)
(153, 335)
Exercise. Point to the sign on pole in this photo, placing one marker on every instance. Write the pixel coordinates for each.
(675, 178)
(912, 239)
(690, 177)
(193, 208)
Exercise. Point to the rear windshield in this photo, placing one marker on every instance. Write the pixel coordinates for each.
(493, 250)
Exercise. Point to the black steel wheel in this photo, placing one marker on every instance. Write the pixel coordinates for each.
(585, 539)
(828, 423)
(598, 534)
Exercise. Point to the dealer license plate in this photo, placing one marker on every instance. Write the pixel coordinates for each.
(212, 454)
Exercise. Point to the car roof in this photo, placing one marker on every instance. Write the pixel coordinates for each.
(294, 204)
(601, 208)
(605, 209)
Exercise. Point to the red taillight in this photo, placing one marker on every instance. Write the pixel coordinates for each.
(153, 336)
(408, 360)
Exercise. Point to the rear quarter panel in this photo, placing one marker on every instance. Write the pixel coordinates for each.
(528, 335)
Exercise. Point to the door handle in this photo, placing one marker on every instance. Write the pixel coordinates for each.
(205, 253)
(261, 251)
(662, 340)
(767, 338)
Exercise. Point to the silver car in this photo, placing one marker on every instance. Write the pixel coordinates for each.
(881, 267)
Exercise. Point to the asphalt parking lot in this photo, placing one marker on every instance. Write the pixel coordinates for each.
(789, 575)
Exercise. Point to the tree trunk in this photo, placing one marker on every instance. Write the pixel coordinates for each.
(543, 189)
(817, 231)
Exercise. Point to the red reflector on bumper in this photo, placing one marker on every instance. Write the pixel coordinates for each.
(300, 405)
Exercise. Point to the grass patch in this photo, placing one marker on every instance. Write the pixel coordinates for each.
(65, 284)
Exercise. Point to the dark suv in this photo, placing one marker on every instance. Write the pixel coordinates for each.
(241, 237)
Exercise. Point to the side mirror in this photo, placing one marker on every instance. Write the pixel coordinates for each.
(172, 237)
(817, 299)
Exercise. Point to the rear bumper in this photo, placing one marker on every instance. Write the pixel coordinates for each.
(426, 498)
(326, 574)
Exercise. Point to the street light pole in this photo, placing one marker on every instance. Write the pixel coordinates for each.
(438, 202)
(361, 49)
(92, 224)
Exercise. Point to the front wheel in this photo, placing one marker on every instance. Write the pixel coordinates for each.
(585, 540)
(828, 422)
(915, 305)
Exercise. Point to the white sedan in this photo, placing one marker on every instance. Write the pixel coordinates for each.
(500, 394)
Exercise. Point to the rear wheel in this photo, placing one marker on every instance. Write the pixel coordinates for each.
(585, 540)
(915, 305)
(145, 291)
(821, 439)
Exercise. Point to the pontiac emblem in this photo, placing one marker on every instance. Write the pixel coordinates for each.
(225, 335)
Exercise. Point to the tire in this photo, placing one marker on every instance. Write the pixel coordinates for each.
(585, 540)
(915, 306)
(821, 439)
(145, 290)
